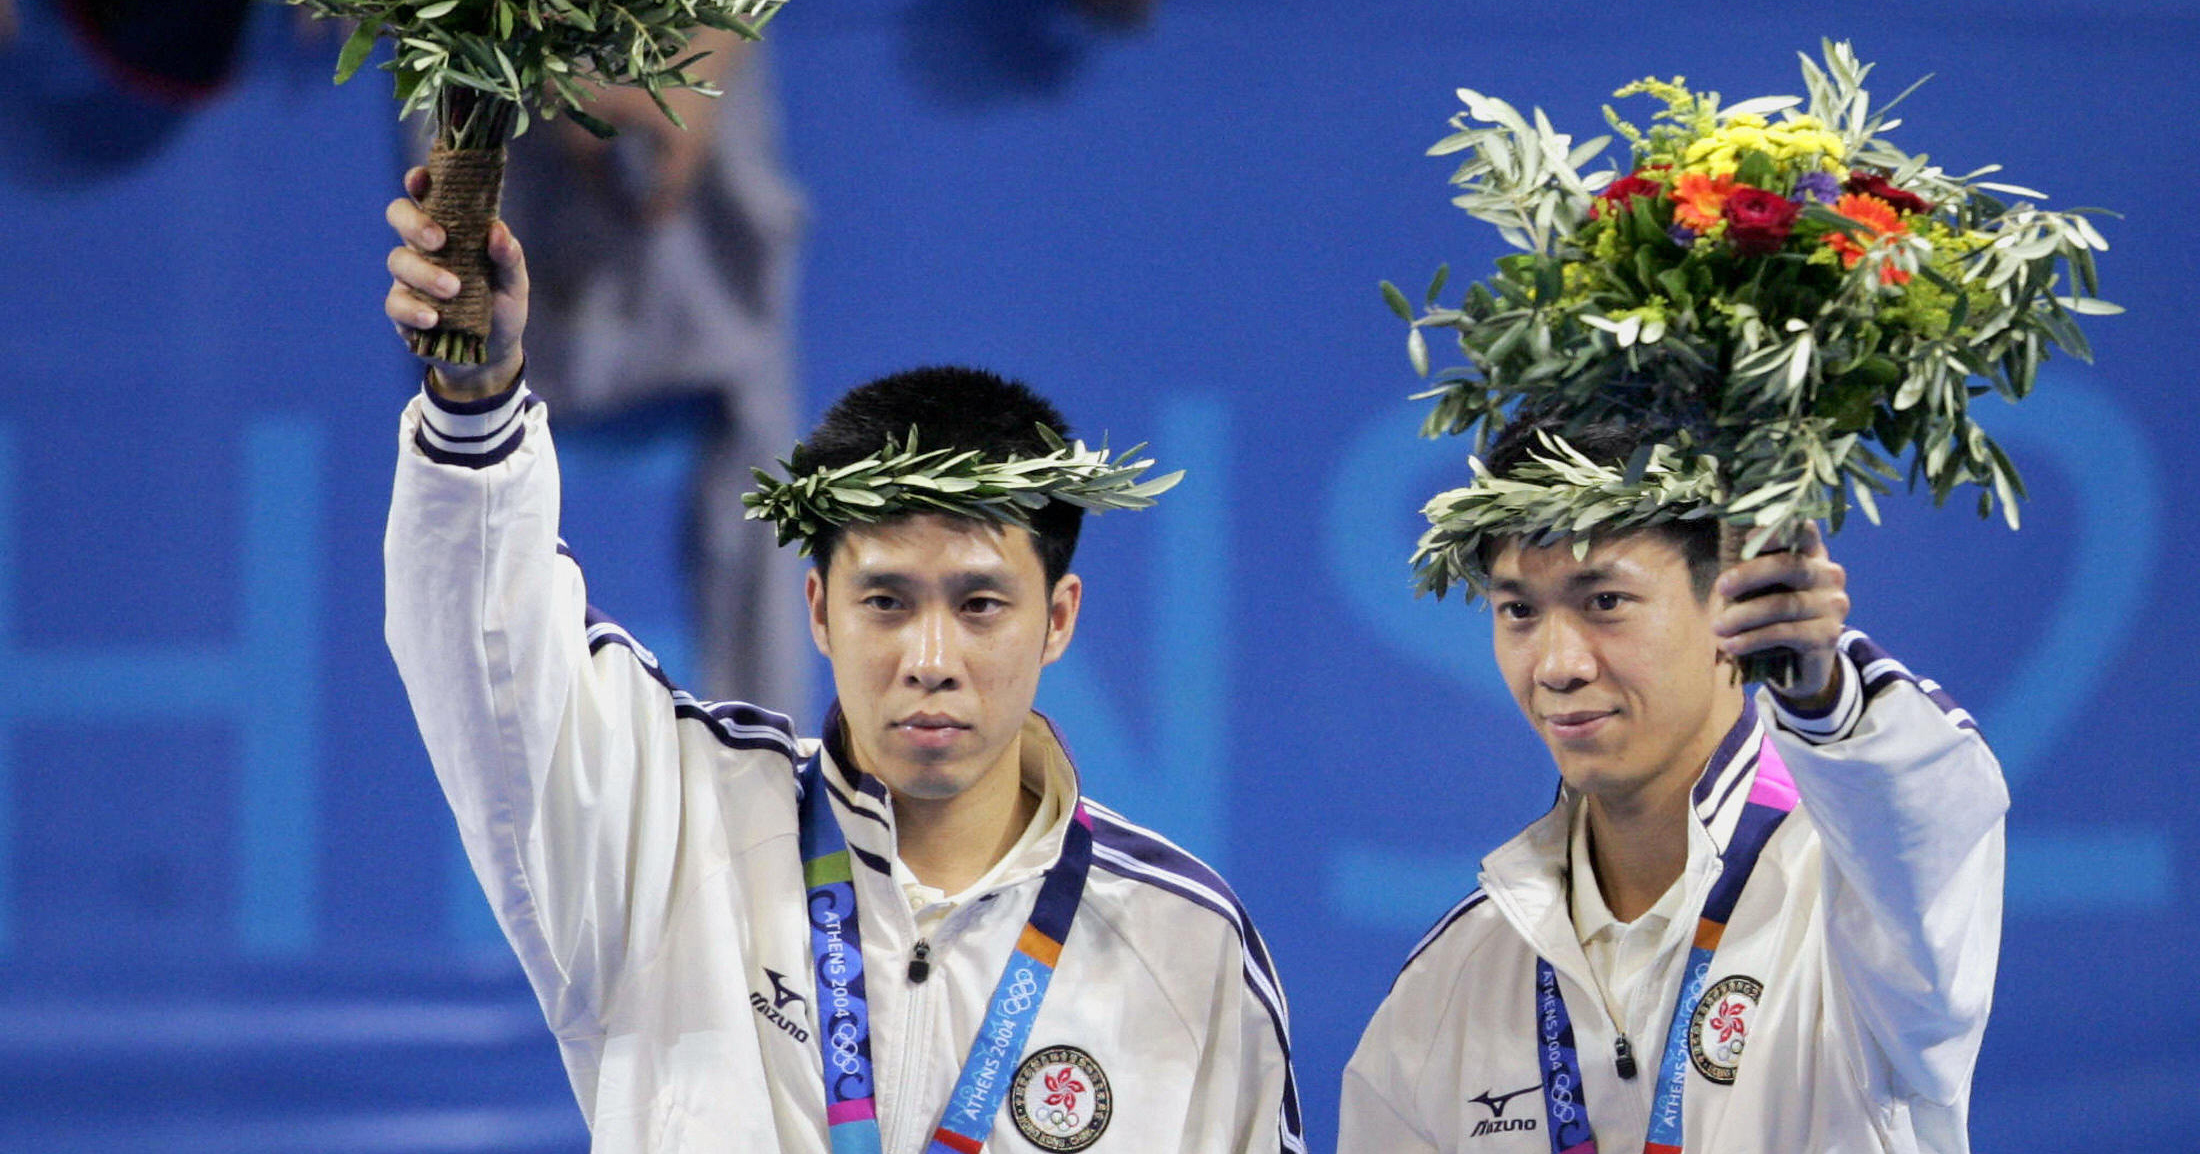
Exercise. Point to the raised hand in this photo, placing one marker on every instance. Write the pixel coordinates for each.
(1797, 600)
(418, 285)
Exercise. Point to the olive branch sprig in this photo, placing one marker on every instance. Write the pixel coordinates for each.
(903, 478)
(485, 67)
(1554, 494)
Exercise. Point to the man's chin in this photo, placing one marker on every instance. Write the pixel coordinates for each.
(930, 776)
(1594, 774)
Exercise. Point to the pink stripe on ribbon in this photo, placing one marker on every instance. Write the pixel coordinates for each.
(1774, 787)
(853, 1110)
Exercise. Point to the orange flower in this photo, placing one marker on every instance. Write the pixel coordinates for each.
(1879, 219)
(1698, 200)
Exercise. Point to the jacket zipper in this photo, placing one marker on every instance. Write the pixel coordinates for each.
(915, 1050)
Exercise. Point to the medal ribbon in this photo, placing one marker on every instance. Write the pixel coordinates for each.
(1771, 798)
(844, 1018)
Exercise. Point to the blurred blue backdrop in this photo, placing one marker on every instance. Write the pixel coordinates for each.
(232, 916)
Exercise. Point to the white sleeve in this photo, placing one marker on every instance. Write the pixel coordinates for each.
(1908, 802)
(564, 770)
(1244, 1100)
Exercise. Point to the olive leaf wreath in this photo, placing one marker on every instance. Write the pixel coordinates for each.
(902, 478)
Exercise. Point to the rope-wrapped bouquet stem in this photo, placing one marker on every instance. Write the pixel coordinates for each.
(1799, 310)
(484, 69)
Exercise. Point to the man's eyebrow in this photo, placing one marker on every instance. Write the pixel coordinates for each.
(1620, 573)
(961, 583)
(978, 581)
(1594, 575)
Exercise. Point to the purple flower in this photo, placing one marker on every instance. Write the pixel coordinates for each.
(1682, 235)
(1818, 186)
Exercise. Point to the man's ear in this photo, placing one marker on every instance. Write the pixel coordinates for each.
(1733, 668)
(1062, 605)
(813, 591)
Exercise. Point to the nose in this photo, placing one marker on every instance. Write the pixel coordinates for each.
(1566, 661)
(934, 657)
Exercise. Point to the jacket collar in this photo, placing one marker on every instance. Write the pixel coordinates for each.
(1527, 876)
(865, 806)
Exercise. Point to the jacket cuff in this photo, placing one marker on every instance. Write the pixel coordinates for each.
(1838, 720)
(473, 434)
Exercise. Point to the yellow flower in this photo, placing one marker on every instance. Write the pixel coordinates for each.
(1800, 142)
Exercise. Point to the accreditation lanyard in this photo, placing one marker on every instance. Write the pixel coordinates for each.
(836, 947)
(1566, 1110)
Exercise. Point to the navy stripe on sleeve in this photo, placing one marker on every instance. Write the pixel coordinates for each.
(736, 724)
(1879, 669)
(473, 434)
(1139, 854)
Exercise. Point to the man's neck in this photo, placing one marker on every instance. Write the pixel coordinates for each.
(949, 843)
(1638, 838)
(1639, 846)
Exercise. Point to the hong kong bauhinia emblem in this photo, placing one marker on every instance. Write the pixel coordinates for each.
(1060, 1099)
(1719, 1029)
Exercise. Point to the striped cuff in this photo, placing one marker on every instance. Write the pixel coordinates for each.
(476, 433)
(1838, 720)
(1881, 670)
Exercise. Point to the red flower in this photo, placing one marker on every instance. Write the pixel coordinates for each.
(1617, 194)
(1757, 221)
(1873, 184)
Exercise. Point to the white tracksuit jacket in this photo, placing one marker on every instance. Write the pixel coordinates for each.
(1872, 923)
(639, 848)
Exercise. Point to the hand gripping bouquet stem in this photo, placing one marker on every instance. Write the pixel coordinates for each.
(1796, 310)
(484, 69)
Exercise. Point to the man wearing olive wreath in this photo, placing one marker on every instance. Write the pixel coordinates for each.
(911, 934)
(1752, 921)
(1811, 875)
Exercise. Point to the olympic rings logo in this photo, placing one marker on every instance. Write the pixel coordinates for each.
(1562, 1099)
(1021, 990)
(845, 1038)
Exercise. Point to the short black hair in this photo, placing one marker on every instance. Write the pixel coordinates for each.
(1610, 441)
(951, 407)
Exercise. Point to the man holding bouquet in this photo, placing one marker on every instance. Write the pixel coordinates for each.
(1752, 921)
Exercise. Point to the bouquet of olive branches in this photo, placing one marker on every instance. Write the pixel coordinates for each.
(484, 68)
(1803, 302)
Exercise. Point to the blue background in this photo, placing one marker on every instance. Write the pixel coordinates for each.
(232, 916)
